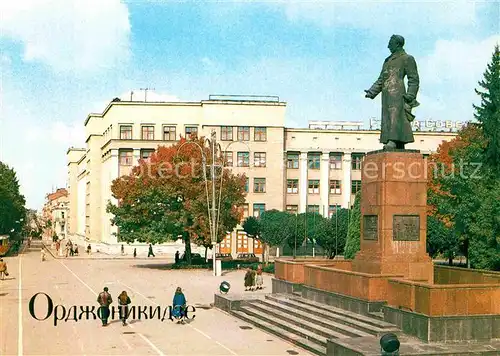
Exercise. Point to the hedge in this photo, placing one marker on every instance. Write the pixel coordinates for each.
(226, 265)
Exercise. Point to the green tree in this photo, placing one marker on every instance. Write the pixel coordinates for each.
(251, 226)
(302, 228)
(331, 233)
(464, 193)
(488, 112)
(441, 239)
(274, 227)
(13, 215)
(352, 244)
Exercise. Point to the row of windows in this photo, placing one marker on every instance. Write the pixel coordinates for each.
(243, 158)
(314, 160)
(294, 209)
(170, 133)
(260, 159)
(126, 158)
(292, 186)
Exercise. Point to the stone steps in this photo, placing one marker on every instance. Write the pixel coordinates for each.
(284, 333)
(319, 324)
(371, 325)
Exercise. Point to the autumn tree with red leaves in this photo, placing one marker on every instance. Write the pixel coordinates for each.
(165, 197)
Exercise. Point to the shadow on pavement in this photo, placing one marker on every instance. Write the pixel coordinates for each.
(161, 266)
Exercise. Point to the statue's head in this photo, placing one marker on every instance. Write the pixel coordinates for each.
(396, 42)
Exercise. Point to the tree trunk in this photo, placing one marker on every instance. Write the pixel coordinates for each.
(187, 247)
(263, 253)
(450, 260)
(206, 254)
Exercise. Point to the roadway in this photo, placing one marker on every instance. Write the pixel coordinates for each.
(71, 282)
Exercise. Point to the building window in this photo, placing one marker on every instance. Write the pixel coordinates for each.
(258, 209)
(313, 209)
(257, 247)
(62, 214)
(191, 130)
(126, 158)
(244, 133)
(247, 183)
(145, 154)
(148, 132)
(259, 159)
(313, 160)
(335, 187)
(292, 186)
(228, 159)
(332, 209)
(225, 245)
(292, 209)
(313, 186)
(243, 159)
(169, 133)
(260, 134)
(357, 158)
(292, 160)
(355, 186)
(241, 242)
(226, 133)
(125, 132)
(335, 160)
(259, 185)
(245, 211)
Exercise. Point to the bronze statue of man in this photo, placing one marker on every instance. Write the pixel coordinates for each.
(397, 102)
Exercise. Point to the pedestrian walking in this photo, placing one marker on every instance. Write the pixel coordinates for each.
(104, 299)
(76, 253)
(135, 252)
(150, 252)
(89, 248)
(179, 305)
(123, 301)
(259, 280)
(42, 253)
(177, 257)
(123, 250)
(3, 269)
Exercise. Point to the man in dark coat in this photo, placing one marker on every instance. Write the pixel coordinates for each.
(104, 299)
(397, 102)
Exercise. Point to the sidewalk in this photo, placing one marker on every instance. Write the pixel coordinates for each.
(103, 256)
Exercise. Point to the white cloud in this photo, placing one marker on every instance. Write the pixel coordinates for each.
(378, 15)
(69, 34)
(449, 75)
(462, 62)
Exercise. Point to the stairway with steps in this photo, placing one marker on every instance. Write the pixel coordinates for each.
(308, 324)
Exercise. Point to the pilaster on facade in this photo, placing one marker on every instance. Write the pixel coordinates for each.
(346, 182)
(303, 182)
(137, 156)
(324, 185)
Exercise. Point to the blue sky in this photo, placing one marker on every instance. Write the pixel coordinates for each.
(61, 59)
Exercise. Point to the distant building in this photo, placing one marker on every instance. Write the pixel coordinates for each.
(56, 210)
(313, 169)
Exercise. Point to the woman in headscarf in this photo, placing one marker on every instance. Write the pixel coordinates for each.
(179, 304)
(259, 280)
(123, 302)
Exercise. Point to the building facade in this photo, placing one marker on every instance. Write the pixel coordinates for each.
(311, 169)
(56, 210)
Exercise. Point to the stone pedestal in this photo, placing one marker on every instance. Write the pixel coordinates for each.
(393, 216)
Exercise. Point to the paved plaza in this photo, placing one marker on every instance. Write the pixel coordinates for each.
(71, 282)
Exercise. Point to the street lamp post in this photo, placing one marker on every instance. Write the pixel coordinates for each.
(213, 211)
